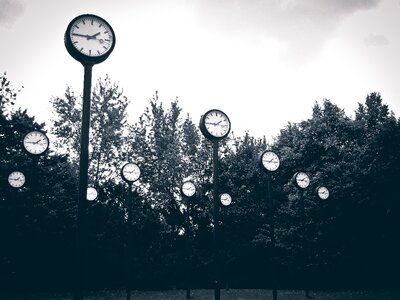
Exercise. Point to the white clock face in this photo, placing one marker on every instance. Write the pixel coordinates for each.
(217, 123)
(225, 199)
(91, 36)
(270, 161)
(16, 179)
(302, 180)
(91, 194)
(130, 172)
(323, 192)
(188, 189)
(36, 142)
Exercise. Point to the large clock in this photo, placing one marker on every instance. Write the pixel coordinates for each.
(89, 39)
(270, 161)
(130, 172)
(215, 124)
(36, 142)
(323, 192)
(225, 199)
(188, 189)
(91, 193)
(301, 180)
(16, 179)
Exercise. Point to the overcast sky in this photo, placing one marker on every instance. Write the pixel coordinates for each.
(263, 62)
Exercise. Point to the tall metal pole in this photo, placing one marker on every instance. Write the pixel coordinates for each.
(83, 180)
(129, 243)
(304, 250)
(188, 244)
(217, 291)
(272, 224)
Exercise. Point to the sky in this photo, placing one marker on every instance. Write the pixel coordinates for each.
(263, 62)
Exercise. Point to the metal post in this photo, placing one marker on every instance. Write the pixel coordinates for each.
(217, 291)
(272, 224)
(83, 180)
(129, 243)
(304, 250)
(187, 235)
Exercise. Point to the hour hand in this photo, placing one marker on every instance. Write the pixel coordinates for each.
(82, 35)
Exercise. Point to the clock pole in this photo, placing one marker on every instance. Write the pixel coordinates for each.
(272, 224)
(128, 248)
(83, 181)
(217, 289)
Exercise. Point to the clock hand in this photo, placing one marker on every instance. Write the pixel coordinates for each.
(92, 37)
(82, 35)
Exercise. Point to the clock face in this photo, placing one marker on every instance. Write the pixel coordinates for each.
(226, 199)
(91, 194)
(215, 124)
(323, 192)
(188, 189)
(270, 161)
(16, 179)
(302, 180)
(36, 142)
(89, 36)
(130, 172)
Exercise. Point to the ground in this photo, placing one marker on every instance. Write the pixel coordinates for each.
(234, 294)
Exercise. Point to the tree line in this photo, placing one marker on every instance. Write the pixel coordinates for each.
(351, 239)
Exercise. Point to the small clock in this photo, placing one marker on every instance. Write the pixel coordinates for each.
(91, 194)
(89, 39)
(215, 124)
(323, 192)
(270, 161)
(16, 179)
(188, 189)
(36, 142)
(225, 199)
(301, 179)
(130, 172)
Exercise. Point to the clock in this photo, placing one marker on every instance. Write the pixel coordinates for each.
(130, 172)
(215, 124)
(323, 192)
(188, 189)
(89, 39)
(16, 179)
(301, 179)
(270, 160)
(225, 199)
(36, 142)
(91, 194)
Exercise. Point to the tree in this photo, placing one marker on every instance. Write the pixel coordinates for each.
(108, 128)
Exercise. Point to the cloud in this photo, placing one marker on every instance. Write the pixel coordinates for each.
(302, 25)
(376, 40)
(9, 11)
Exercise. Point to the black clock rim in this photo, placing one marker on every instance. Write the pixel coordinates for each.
(82, 58)
(295, 181)
(8, 179)
(317, 191)
(204, 130)
(182, 188)
(261, 161)
(122, 172)
(36, 154)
